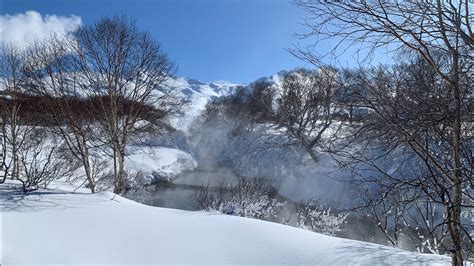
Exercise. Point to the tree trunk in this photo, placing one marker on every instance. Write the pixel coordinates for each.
(116, 183)
(87, 168)
(16, 165)
(14, 135)
(119, 169)
(351, 113)
(3, 153)
(120, 179)
(457, 178)
(312, 154)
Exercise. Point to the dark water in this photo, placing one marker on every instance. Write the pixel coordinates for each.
(181, 191)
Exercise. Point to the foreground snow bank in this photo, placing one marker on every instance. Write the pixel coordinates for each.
(57, 226)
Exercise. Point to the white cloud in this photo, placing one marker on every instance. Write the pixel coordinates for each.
(24, 28)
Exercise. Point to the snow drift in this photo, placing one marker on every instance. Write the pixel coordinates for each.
(59, 226)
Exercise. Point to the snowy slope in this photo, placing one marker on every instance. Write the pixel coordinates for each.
(55, 226)
(197, 94)
(157, 163)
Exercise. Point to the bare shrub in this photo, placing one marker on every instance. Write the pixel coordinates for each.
(41, 162)
(249, 197)
(312, 215)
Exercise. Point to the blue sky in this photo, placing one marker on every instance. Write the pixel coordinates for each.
(231, 40)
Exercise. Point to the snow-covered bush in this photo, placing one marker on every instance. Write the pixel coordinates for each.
(249, 197)
(313, 216)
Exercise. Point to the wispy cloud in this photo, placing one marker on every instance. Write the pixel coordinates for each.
(24, 28)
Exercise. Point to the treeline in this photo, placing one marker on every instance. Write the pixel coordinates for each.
(39, 109)
(81, 94)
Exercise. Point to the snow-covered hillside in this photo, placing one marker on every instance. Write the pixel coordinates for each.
(196, 95)
(154, 164)
(60, 227)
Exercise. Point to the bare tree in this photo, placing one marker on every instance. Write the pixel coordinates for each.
(405, 147)
(125, 71)
(307, 108)
(13, 129)
(427, 28)
(51, 76)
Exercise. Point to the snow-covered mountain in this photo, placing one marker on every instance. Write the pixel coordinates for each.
(196, 95)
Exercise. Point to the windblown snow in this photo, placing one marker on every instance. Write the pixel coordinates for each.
(59, 226)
